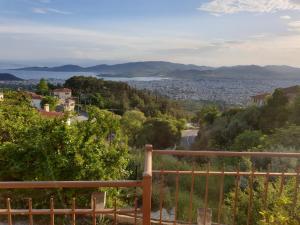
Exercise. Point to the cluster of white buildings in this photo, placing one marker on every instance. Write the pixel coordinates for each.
(65, 102)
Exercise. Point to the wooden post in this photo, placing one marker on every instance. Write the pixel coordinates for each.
(147, 186)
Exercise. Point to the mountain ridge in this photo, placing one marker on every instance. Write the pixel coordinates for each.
(177, 70)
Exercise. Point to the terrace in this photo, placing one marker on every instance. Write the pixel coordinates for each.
(139, 212)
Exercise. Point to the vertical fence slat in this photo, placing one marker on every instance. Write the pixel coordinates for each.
(221, 195)
(115, 211)
(282, 180)
(30, 211)
(161, 196)
(206, 193)
(176, 196)
(147, 186)
(296, 188)
(249, 218)
(266, 188)
(236, 194)
(73, 211)
(51, 211)
(9, 216)
(94, 218)
(191, 196)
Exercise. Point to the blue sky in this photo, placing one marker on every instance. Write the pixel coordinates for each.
(203, 32)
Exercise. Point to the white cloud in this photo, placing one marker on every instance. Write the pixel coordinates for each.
(49, 10)
(32, 41)
(219, 7)
(294, 26)
(286, 17)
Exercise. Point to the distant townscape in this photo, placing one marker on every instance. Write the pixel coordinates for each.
(226, 85)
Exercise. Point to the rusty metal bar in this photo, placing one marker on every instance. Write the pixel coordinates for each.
(206, 193)
(64, 211)
(250, 196)
(115, 211)
(227, 173)
(73, 211)
(161, 197)
(296, 188)
(94, 219)
(191, 196)
(147, 186)
(135, 209)
(266, 188)
(226, 154)
(176, 197)
(30, 211)
(282, 180)
(51, 211)
(221, 196)
(236, 194)
(9, 215)
(68, 184)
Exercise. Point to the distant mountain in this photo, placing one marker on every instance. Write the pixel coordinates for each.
(180, 71)
(148, 68)
(241, 72)
(9, 77)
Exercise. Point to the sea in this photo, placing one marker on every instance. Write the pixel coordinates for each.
(37, 75)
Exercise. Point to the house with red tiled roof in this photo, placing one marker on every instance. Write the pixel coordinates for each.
(35, 99)
(50, 114)
(62, 94)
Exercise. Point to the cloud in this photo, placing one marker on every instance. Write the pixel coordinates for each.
(219, 7)
(49, 10)
(286, 17)
(294, 26)
(35, 41)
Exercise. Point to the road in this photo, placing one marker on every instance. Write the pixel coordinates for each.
(188, 137)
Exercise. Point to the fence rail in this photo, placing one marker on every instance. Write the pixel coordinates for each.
(141, 214)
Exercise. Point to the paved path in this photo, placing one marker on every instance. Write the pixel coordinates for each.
(188, 137)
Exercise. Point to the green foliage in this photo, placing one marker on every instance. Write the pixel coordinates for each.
(119, 97)
(278, 208)
(249, 140)
(35, 149)
(42, 87)
(206, 115)
(132, 123)
(160, 132)
(52, 101)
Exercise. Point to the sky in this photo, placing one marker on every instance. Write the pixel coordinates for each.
(202, 32)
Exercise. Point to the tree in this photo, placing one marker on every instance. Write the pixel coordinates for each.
(132, 122)
(160, 132)
(207, 115)
(42, 87)
(52, 101)
(249, 140)
(36, 149)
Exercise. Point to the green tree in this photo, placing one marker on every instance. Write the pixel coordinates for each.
(249, 140)
(160, 132)
(132, 123)
(42, 87)
(52, 101)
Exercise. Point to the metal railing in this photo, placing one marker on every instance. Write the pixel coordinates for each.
(142, 215)
(220, 174)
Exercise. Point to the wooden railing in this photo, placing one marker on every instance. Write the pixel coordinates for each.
(142, 215)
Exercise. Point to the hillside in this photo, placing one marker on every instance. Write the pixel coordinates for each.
(120, 97)
(180, 71)
(8, 77)
(129, 69)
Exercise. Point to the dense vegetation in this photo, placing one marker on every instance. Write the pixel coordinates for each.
(120, 97)
(109, 146)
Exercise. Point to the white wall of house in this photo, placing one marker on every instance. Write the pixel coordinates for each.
(36, 103)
